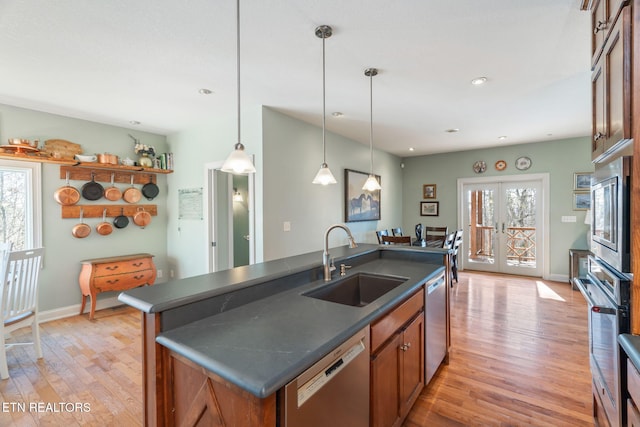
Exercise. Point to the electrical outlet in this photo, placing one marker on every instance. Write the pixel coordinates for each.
(286, 226)
(171, 273)
(159, 274)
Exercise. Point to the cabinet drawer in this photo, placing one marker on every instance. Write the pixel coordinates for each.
(121, 282)
(633, 382)
(120, 267)
(384, 328)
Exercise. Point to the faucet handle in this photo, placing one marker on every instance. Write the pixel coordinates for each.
(332, 266)
(343, 269)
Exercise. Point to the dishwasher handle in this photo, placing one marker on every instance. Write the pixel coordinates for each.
(435, 284)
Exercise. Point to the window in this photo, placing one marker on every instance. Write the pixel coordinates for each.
(20, 204)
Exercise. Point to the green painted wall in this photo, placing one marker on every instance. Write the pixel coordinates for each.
(560, 158)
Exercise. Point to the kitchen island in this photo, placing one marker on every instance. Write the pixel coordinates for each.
(226, 343)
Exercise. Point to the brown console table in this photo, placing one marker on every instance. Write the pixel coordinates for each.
(117, 273)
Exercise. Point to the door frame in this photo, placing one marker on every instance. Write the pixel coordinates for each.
(210, 212)
(543, 177)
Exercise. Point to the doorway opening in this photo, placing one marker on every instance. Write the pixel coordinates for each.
(230, 218)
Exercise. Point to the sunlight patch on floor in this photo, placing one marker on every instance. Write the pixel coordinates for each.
(546, 292)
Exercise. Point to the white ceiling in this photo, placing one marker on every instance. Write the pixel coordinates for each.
(145, 60)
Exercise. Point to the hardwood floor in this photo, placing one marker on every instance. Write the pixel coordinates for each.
(519, 357)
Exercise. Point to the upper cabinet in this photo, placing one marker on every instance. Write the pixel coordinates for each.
(611, 78)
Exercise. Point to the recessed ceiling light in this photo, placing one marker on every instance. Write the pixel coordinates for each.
(452, 130)
(411, 149)
(479, 81)
(205, 91)
(337, 114)
(134, 122)
(502, 137)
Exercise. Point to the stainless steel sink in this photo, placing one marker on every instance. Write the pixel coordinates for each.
(357, 290)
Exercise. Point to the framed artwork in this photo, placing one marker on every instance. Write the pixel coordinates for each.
(429, 208)
(581, 201)
(359, 204)
(429, 191)
(582, 181)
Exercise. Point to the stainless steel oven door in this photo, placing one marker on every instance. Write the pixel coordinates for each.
(606, 319)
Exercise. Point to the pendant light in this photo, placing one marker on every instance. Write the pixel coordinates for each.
(324, 175)
(371, 184)
(238, 161)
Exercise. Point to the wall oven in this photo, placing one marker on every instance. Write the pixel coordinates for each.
(610, 213)
(607, 295)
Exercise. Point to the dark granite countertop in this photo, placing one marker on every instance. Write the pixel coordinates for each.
(631, 346)
(264, 343)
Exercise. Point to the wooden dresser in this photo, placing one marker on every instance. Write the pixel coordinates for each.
(117, 273)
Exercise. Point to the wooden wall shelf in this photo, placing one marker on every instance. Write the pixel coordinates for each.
(96, 211)
(102, 174)
(35, 157)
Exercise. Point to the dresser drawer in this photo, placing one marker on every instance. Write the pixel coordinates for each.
(109, 269)
(384, 328)
(121, 282)
(633, 382)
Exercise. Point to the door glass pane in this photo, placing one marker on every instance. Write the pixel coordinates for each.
(482, 236)
(521, 226)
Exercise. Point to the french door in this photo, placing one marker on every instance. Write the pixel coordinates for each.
(503, 223)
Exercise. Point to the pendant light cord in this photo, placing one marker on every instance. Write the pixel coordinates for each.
(238, 61)
(371, 121)
(324, 150)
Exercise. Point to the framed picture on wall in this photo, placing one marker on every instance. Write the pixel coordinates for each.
(582, 181)
(429, 191)
(359, 204)
(581, 201)
(429, 208)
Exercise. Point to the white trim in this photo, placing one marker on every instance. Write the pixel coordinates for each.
(74, 310)
(544, 177)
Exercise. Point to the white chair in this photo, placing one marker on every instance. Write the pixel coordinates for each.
(19, 299)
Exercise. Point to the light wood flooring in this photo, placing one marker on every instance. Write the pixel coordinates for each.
(519, 357)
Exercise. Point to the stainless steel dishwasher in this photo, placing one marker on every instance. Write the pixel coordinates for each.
(334, 391)
(435, 325)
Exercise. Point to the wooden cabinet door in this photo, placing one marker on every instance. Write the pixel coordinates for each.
(385, 381)
(617, 67)
(412, 364)
(599, 28)
(597, 107)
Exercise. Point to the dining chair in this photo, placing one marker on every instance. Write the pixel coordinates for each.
(435, 236)
(448, 241)
(457, 241)
(19, 300)
(379, 235)
(396, 231)
(396, 240)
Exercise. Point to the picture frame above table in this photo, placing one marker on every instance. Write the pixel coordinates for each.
(429, 191)
(429, 208)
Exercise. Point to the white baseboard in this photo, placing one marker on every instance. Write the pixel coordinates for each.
(559, 278)
(74, 310)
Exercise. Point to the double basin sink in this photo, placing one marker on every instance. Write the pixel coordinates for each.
(357, 290)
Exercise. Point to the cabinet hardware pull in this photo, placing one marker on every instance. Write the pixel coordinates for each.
(597, 136)
(138, 277)
(113, 281)
(599, 27)
(115, 267)
(405, 347)
(137, 264)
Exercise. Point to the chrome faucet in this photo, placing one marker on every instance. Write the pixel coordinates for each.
(326, 258)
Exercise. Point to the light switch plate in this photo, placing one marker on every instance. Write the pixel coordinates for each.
(286, 226)
(568, 218)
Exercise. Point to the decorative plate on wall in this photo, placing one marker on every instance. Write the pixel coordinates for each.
(501, 165)
(479, 166)
(523, 163)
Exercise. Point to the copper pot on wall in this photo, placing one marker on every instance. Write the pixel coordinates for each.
(104, 228)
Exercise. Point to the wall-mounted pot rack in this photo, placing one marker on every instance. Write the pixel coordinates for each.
(96, 211)
(102, 173)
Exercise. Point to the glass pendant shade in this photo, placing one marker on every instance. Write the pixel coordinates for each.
(371, 184)
(238, 162)
(324, 176)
